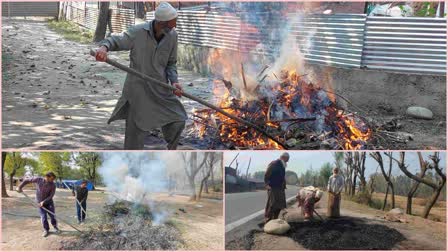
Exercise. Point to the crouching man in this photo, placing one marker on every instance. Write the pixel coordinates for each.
(307, 199)
(335, 187)
(45, 190)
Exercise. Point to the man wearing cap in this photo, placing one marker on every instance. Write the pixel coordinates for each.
(45, 190)
(144, 105)
(275, 182)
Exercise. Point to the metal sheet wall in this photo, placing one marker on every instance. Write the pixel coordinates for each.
(30, 9)
(87, 17)
(405, 44)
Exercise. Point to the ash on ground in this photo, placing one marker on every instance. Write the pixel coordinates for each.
(344, 234)
(332, 234)
(127, 226)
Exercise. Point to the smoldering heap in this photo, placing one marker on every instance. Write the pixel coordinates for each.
(127, 226)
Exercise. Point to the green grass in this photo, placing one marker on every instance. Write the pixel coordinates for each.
(71, 31)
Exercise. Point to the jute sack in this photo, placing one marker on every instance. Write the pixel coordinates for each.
(277, 227)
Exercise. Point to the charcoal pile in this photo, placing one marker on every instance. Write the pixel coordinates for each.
(344, 234)
(127, 226)
(296, 113)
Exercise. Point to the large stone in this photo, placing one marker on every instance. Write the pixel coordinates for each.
(396, 215)
(292, 215)
(277, 227)
(420, 113)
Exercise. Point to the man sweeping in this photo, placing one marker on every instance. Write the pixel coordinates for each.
(335, 187)
(275, 182)
(146, 106)
(81, 192)
(45, 190)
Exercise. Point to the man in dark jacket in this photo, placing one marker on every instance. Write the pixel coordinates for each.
(45, 190)
(275, 182)
(81, 192)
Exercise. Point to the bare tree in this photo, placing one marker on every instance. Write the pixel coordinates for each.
(192, 168)
(247, 170)
(4, 192)
(101, 26)
(360, 169)
(212, 159)
(423, 168)
(372, 182)
(436, 186)
(349, 171)
(387, 176)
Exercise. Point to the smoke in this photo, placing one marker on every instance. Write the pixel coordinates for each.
(136, 177)
(275, 26)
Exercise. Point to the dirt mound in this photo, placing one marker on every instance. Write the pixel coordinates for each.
(344, 234)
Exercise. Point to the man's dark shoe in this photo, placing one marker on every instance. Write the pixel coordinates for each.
(45, 233)
(57, 231)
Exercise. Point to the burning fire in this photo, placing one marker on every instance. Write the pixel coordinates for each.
(284, 105)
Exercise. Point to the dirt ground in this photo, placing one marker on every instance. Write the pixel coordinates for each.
(55, 96)
(200, 223)
(417, 233)
(438, 211)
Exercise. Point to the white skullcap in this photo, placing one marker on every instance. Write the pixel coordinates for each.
(165, 12)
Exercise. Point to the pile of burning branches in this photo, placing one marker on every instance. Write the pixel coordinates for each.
(127, 226)
(291, 112)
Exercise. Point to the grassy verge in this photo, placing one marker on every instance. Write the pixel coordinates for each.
(71, 31)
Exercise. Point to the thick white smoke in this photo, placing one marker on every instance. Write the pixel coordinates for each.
(136, 177)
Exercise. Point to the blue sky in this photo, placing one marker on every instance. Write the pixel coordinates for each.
(300, 161)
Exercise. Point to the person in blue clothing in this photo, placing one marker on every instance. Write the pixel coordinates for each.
(275, 182)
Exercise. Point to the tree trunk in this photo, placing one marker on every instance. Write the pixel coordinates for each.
(354, 184)
(101, 25)
(206, 186)
(385, 198)
(412, 192)
(393, 195)
(213, 179)
(11, 180)
(193, 188)
(4, 192)
(432, 201)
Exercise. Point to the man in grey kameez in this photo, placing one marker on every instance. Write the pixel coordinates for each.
(144, 105)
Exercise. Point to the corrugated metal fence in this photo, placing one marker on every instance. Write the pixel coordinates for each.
(342, 40)
(405, 44)
(29, 9)
(87, 17)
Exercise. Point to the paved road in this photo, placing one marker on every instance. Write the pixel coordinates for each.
(240, 205)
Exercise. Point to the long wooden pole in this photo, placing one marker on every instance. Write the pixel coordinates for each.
(50, 212)
(194, 98)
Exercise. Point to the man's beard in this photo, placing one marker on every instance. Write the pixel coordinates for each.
(166, 30)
